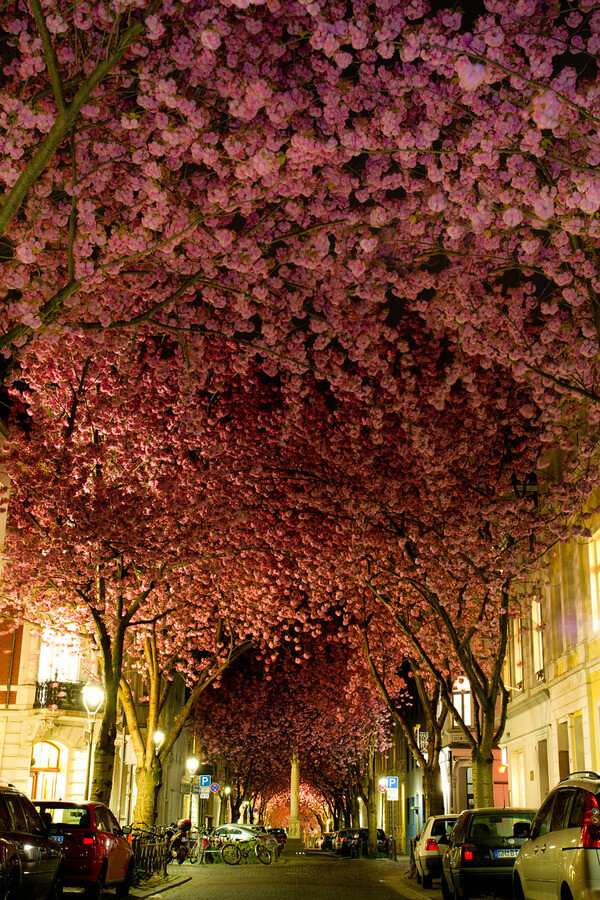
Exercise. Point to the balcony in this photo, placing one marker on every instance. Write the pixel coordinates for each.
(65, 695)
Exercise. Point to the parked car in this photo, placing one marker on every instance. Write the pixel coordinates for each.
(279, 834)
(96, 850)
(31, 862)
(342, 842)
(482, 849)
(428, 850)
(327, 840)
(237, 832)
(561, 858)
(360, 842)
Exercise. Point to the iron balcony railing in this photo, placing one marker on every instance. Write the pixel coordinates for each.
(59, 695)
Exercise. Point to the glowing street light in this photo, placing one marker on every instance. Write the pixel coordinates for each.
(93, 698)
(158, 738)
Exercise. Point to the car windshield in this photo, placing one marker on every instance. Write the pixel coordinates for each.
(496, 825)
(74, 816)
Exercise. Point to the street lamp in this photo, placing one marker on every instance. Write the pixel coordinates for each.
(191, 765)
(158, 738)
(93, 698)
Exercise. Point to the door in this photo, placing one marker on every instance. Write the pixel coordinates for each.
(121, 848)
(33, 885)
(550, 859)
(49, 853)
(108, 840)
(528, 865)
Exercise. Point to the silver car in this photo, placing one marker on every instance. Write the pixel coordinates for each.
(561, 859)
(237, 832)
(428, 849)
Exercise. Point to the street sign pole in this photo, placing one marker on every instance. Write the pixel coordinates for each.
(198, 836)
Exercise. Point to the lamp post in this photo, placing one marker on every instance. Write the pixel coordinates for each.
(227, 801)
(93, 698)
(191, 765)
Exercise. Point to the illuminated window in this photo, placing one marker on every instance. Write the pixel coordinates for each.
(46, 781)
(461, 697)
(515, 655)
(537, 640)
(58, 661)
(594, 546)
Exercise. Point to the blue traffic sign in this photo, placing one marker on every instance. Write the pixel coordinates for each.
(392, 782)
(205, 781)
(214, 787)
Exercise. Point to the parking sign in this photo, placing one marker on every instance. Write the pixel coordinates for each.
(392, 787)
(205, 781)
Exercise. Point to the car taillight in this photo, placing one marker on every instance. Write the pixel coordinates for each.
(469, 852)
(590, 830)
(431, 844)
(88, 839)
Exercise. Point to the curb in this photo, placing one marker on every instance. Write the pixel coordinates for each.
(157, 889)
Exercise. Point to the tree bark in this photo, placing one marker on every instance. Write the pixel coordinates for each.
(483, 777)
(432, 790)
(148, 780)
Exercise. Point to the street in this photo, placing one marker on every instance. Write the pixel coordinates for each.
(302, 877)
(313, 876)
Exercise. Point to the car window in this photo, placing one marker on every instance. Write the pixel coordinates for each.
(458, 832)
(541, 823)
(16, 811)
(578, 809)
(562, 809)
(5, 820)
(32, 816)
(103, 823)
(116, 828)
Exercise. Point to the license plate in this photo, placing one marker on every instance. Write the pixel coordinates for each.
(502, 854)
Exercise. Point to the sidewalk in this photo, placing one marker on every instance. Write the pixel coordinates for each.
(159, 883)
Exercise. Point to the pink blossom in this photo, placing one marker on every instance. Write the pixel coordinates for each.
(470, 75)
(546, 109)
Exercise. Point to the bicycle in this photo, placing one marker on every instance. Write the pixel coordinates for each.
(211, 847)
(257, 848)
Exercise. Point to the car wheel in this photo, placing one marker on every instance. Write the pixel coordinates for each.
(94, 891)
(12, 889)
(56, 891)
(447, 892)
(122, 890)
(518, 888)
(427, 880)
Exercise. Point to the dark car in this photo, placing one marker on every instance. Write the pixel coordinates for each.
(482, 849)
(342, 842)
(327, 840)
(95, 848)
(279, 834)
(360, 842)
(30, 860)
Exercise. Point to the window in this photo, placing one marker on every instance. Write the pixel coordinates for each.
(541, 823)
(562, 809)
(46, 782)
(16, 811)
(537, 640)
(461, 697)
(515, 655)
(58, 660)
(594, 619)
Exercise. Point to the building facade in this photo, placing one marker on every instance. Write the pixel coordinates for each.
(44, 730)
(553, 723)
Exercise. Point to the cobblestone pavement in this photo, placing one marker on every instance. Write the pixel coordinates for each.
(294, 878)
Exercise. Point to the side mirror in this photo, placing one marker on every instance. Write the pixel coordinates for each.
(522, 829)
(126, 829)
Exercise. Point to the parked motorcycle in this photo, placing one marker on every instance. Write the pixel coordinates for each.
(179, 843)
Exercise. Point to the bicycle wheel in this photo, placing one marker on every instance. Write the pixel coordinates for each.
(231, 854)
(193, 852)
(263, 853)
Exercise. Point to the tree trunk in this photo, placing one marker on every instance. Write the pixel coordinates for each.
(483, 777)
(432, 790)
(104, 753)
(148, 781)
(372, 796)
